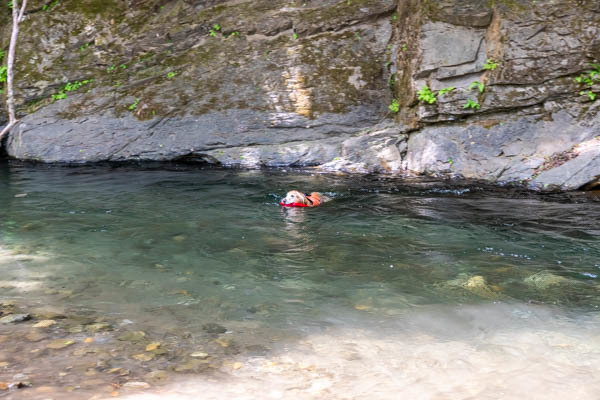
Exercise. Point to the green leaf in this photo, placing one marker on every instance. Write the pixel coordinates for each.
(446, 90)
(472, 104)
(480, 86)
(490, 65)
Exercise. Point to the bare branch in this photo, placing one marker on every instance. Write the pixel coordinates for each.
(22, 12)
(7, 128)
(10, 62)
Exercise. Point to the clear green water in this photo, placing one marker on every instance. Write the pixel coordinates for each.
(168, 251)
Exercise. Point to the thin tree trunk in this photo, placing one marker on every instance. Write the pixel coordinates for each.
(10, 93)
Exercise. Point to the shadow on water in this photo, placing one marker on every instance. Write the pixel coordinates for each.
(206, 262)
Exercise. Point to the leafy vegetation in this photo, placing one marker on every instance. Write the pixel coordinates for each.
(48, 7)
(446, 90)
(213, 31)
(84, 47)
(472, 104)
(588, 93)
(490, 65)
(3, 69)
(395, 106)
(480, 86)
(425, 94)
(171, 75)
(589, 79)
(70, 87)
(134, 105)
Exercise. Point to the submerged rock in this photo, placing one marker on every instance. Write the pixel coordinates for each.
(133, 336)
(136, 385)
(143, 356)
(152, 346)
(35, 336)
(194, 365)
(476, 285)
(14, 318)
(544, 280)
(45, 323)
(59, 344)
(213, 328)
(98, 327)
(158, 376)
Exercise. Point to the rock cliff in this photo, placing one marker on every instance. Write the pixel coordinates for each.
(309, 83)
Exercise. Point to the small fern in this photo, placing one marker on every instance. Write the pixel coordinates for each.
(490, 65)
(480, 86)
(446, 90)
(426, 95)
(472, 104)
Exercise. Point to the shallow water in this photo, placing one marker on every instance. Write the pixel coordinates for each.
(410, 289)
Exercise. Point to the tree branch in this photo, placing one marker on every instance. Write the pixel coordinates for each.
(7, 128)
(17, 17)
(22, 13)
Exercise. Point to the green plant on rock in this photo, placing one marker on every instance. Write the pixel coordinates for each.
(445, 91)
(590, 78)
(392, 83)
(294, 36)
(490, 65)
(3, 69)
(589, 94)
(59, 96)
(395, 106)
(426, 95)
(133, 106)
(472, 104)
(213, 31)
(480, 86)
(234, 34)
(171, 75)
(111, 68)
(48, 7)
(70, 87)
(84, 47)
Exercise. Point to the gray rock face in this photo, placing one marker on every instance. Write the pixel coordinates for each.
(282, 82)
(505, 152)
(576, 173)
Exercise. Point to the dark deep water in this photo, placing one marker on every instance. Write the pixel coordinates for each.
(453, 291)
